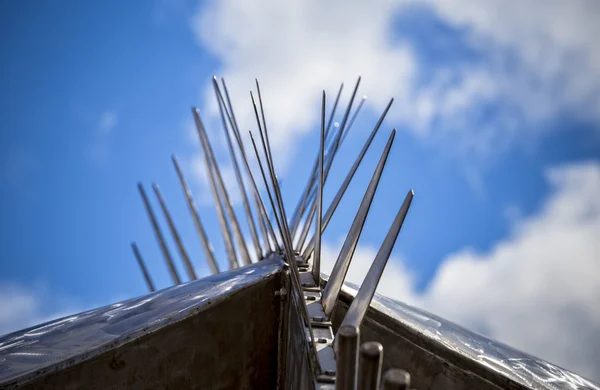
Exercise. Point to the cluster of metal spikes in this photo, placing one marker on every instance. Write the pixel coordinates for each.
(287, 238)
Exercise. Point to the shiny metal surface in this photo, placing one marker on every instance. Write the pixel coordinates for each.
(61, 343)
(340, 268)
(490, 355)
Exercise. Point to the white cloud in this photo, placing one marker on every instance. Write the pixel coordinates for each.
(98, 151)
(108, 121)
(541, 60)
(22, 307)
(537, 290)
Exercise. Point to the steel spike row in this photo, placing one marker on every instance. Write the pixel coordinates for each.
(364, 372)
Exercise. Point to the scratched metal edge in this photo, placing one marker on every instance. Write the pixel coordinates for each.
(454, 341)
(270, 268)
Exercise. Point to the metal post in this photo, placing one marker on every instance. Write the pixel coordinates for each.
(369, 367)
(396, 379)
(347, 339)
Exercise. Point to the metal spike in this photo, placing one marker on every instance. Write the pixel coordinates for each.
(295, 216)
(347, 130)
(238, 175)
(347, 113)
(262, 113)
(361, 302)
(369, 365)
(225, 230)
(306, 227)
(333, 109)
(235, 125)
(287, 244)
(175, 234)
(338, 196)
(262, 171)
(295, 274)
(237, 231)
(159, 237)
(331, 153)
(347, 339)
(142, 265)
(256, 193)
(294, 267)
(316, 270)
(208, 250)
(332, 289)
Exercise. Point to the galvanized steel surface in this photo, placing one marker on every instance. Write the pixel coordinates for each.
(525, 369)
(61, 343)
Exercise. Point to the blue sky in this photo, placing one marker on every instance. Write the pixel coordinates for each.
(498, 134)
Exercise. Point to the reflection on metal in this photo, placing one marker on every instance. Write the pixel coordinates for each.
(159, 237)
(345, 256)
(208, 250)
(175, 234)
(277, 323)
(362, 301)
(143, 268)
